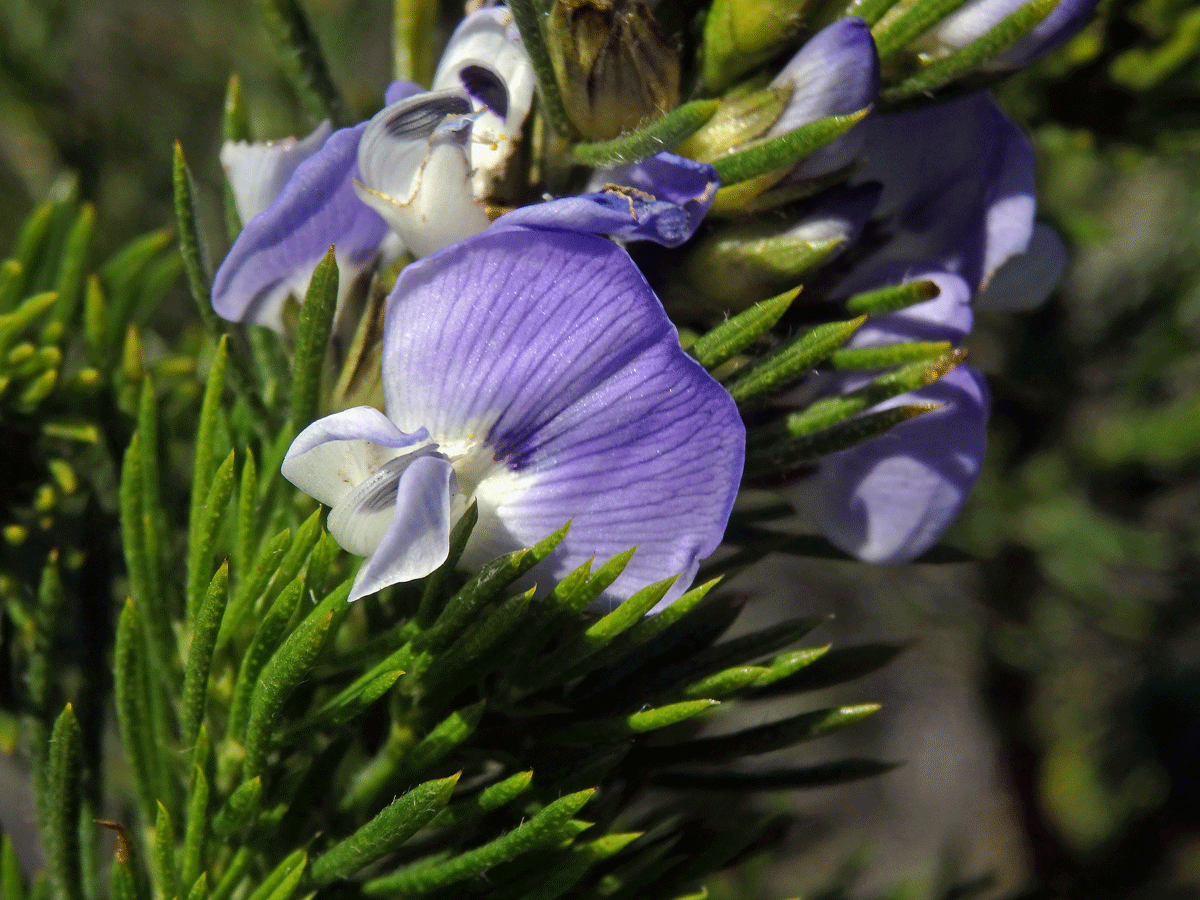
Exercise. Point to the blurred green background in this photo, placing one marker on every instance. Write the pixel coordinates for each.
(1048, 704)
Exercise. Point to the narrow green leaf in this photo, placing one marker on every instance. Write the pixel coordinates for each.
(11, 278)
(413, 57)
(40, 677)
(889, 299)
(288, 666)
(196, 833)
(859, 358)
(822, 775)
(124, 885)
(618, 729)
(239, 810)
(165, 876)
(263, 645)
(202, 546)
(199, 889)
(831, 410)
(789, 455)
(13, 324)
(794, 359)
(489, 799)
(29, 242)
(132, 690)
(894, 33)
(444, 737)
(200, 654)
(966, 60)
(12, 881)
(582, 857)
(529, 22)
(235, 126)
(836, 667)
(304, 62)
(763, 738)
(730, 338)
(61, 805)
(73, 264)
(253, 584)
(478, 649)
(245, 533)
(787, 664)
(726, 682)
(628, 613)
(664, 133)
(205, 464)
(870, 10)
(352, 700)
(191, 246)
(233, 876)
(284, 879)
(400, 820)
(312, 340)
(774, 153)
(544, 829)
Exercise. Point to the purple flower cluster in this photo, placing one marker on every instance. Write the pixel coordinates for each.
(529, 368)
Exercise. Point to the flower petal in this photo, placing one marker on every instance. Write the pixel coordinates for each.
(888, 500)
(975, 19)
(257, 172)
(661, 199)
(551, 348)
(1026, 280)
(485, 58)
(333, 455)
(958, 185)
(835, 73)
(415, 171)
(417, 540)
(277, 250)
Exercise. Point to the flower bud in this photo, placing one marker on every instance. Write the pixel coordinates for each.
(740, 35)
(613, 66)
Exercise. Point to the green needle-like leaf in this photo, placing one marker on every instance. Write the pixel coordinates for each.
(191, 246)
(312, 339)
(445, 736)
(870, 10)
(528, 17)
(263, 645)
(413, 57)
(787, 149)
(628, 613)
(284, 879)
(11, 278)
(399, 821)
(897, 32)
(196, 833)
(793, 360)
(479, 649)
(543, 830)
(205, 465)
(61, 805)
(639, 722)
(235, 126)
(763, 738)
(859, 358)
(729, 338)
(73, 264)
(200, 654)
(165, 875)
(665, 133)
(304, 62)
(962, 62)
(246, 536)
(12, 881)
(203, 540)
(488, 800)
(14, 323)
(239, 810)
(726, 682)
(132, 690)
(234, 875)
(199, 889)
(582, 857)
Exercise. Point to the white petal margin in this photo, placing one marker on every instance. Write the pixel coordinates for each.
(334, 455)
(418, 539)
(416, 174)
(1024, 281)
(486, 59)
(258, 172)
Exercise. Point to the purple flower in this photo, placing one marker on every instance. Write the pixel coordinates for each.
(889, 499)
(534, 372)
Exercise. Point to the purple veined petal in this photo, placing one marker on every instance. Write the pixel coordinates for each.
(661, 199)
(958, 185)
(975, 19)
(549, 350)
(277, 250)
(417, 540)
(257, 172)
(947, 317)
(333, 455)
(415, 172)
(486, 59)
(835, 73)
(401, 90)
(888, 500)
(1027, 279)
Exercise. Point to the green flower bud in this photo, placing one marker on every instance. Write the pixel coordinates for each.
(741, 35)
(614, 68)
(739, 120)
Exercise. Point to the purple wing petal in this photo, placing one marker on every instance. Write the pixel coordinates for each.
(958, 185)
(257, 172)
(277, 250)
(835, 73)
(418, 539)
(668, 200)
(551, 348)
(888, 500)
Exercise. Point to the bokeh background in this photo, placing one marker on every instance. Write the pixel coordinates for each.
(1043, 701)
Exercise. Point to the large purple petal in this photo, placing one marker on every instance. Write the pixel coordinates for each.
(661, 199)
(835, 73)
(550, 349)
(888, 500)
(277, 250)
(958, 185)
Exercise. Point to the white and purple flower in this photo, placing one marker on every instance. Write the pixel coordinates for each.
(531, 371)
